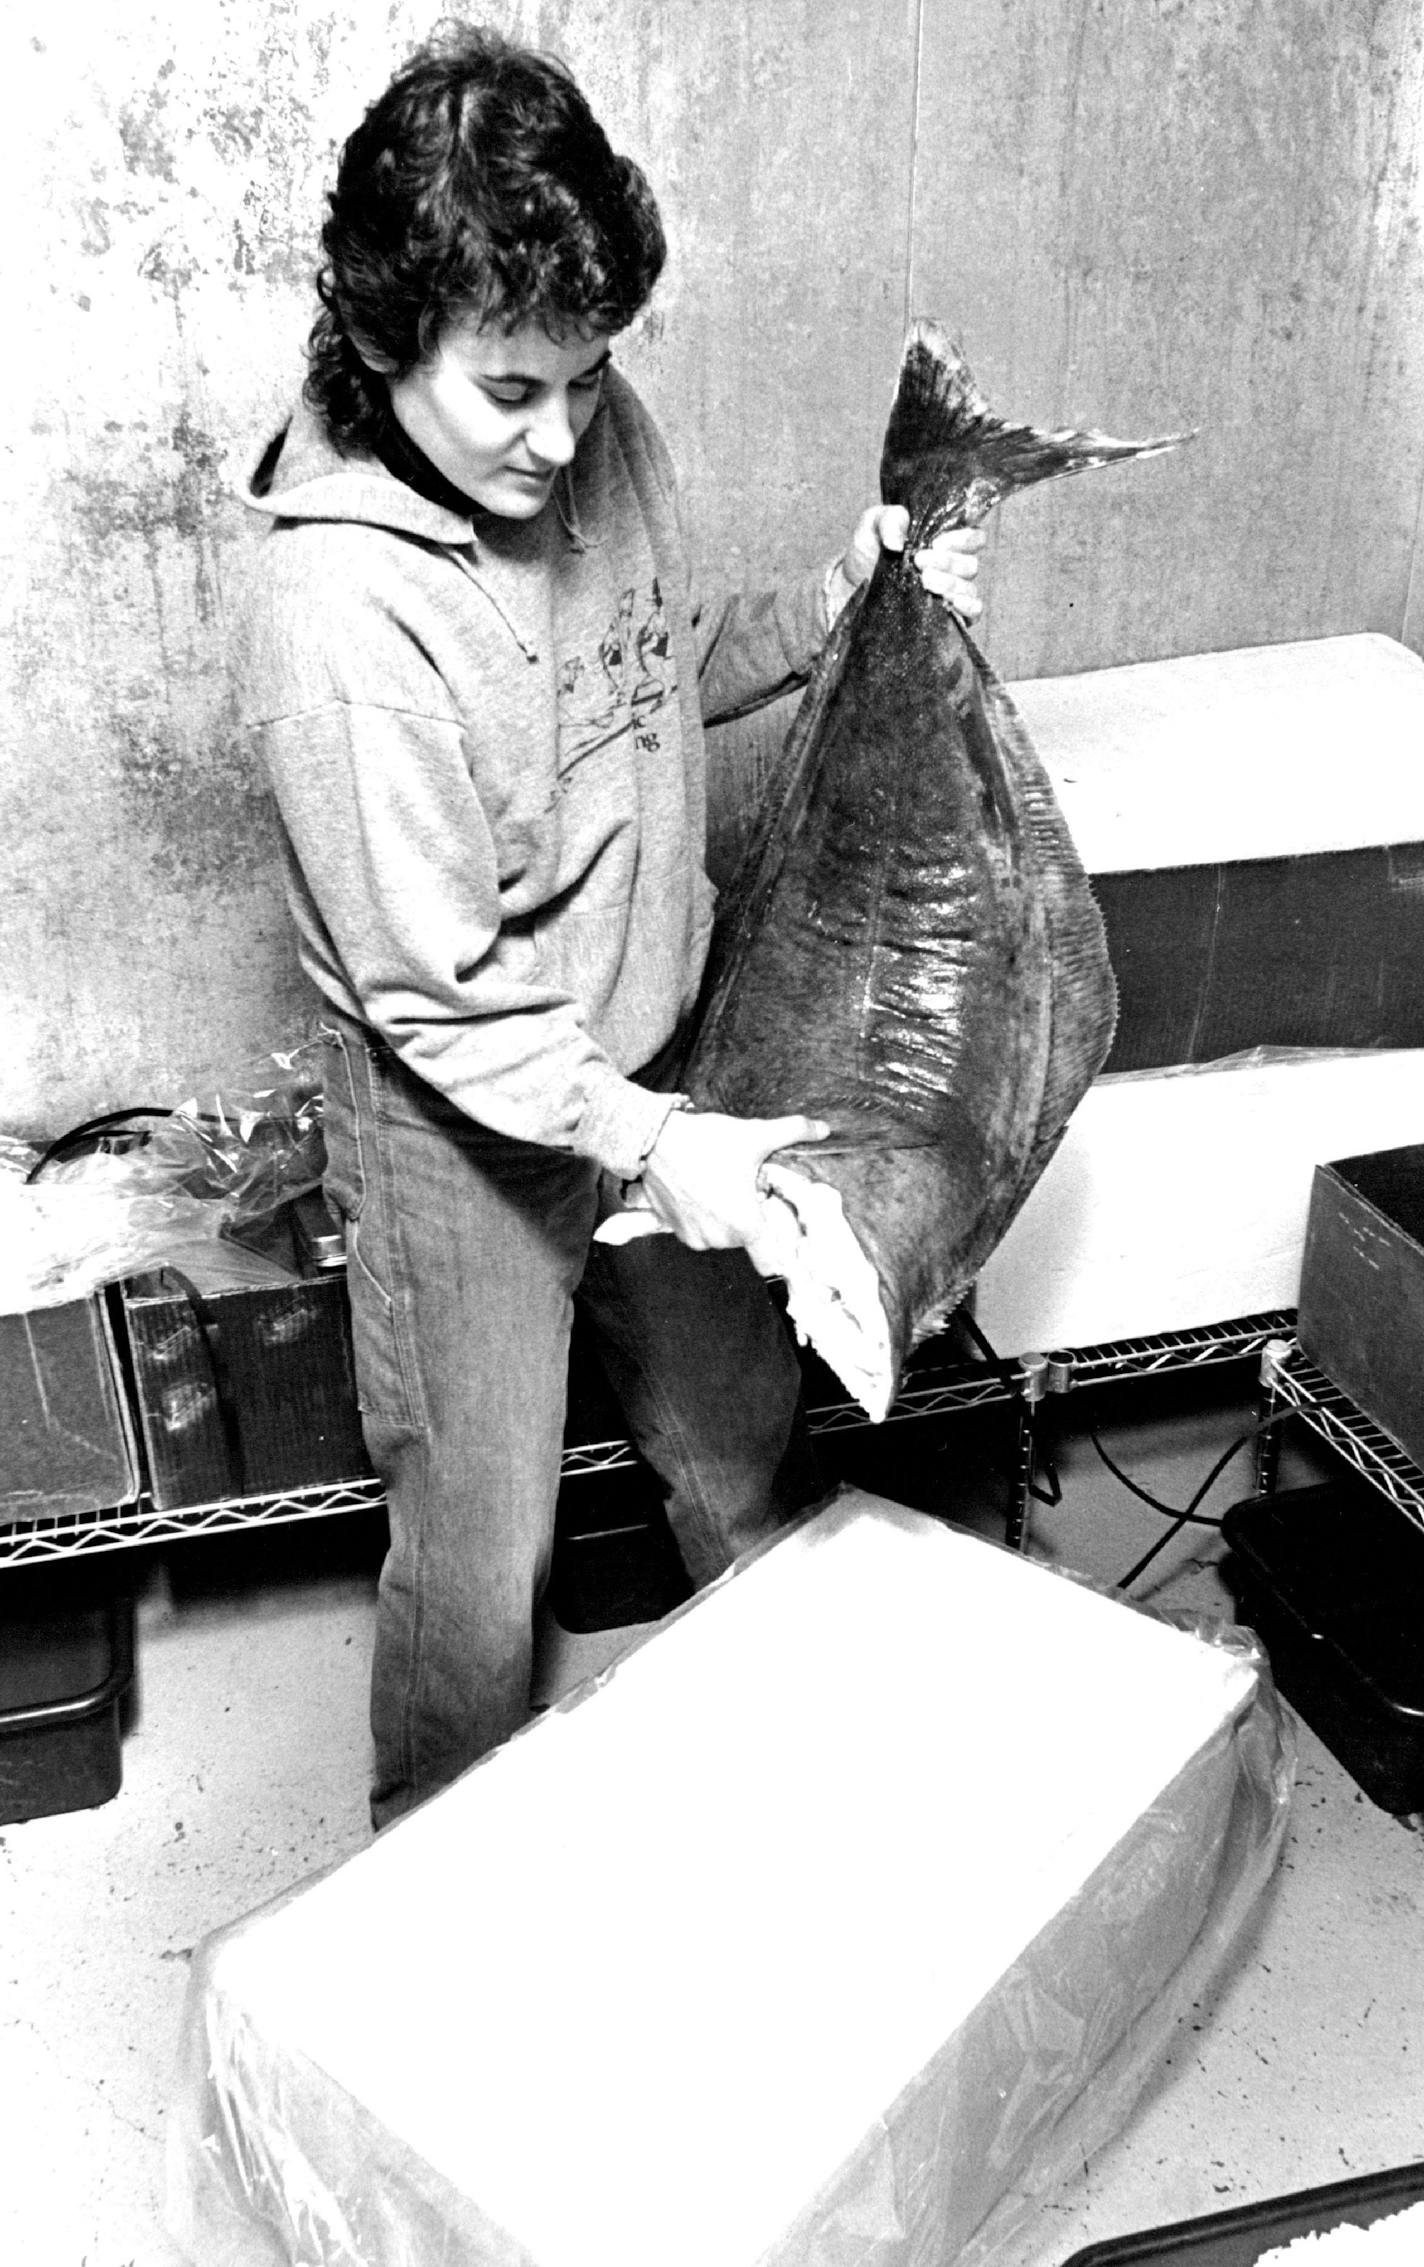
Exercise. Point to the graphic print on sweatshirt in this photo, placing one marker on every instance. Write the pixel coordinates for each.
(622, 687)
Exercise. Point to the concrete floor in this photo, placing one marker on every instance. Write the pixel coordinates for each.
(245, 1768)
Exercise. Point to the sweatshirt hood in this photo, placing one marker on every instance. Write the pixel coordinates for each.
(301, 475)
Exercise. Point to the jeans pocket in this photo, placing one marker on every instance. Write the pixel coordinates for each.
(345, 1178)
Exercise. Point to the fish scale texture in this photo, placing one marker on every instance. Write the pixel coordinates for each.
(911, 950)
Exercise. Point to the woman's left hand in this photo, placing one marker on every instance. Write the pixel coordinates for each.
(947, 567)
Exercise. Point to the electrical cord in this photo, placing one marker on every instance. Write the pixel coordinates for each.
(1168, 1510)
(90, 1131)
(1188, 1516)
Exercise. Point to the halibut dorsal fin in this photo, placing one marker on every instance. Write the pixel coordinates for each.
(949, 459)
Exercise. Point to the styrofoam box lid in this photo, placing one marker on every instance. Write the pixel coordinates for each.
(1262, 752)
(593, 2015)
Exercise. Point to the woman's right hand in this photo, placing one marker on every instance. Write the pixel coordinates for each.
(701, 1177)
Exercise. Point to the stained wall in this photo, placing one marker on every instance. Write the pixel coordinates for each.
(1148, 214)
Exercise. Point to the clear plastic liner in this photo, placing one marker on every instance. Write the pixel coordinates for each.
(1073, 2099)
(1246, 1058)
(274, 2165)
(158, 1185)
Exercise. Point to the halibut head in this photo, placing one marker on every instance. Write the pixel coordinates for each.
(910, 949)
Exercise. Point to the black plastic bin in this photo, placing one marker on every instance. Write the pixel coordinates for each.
(1331, 1578)
(1240, 2238)
(66, 1663)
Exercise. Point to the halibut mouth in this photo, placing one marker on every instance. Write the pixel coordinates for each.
(910, 948)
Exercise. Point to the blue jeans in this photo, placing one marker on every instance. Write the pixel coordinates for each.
(465, 1252)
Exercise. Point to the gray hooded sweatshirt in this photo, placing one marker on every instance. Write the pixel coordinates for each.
(485, 740)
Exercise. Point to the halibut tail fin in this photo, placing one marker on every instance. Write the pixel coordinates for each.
(949, 459)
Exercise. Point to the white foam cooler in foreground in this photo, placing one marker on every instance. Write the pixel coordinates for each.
(843, 1913)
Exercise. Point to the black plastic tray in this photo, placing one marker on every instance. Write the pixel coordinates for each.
(1332, 1580)
(1240, 2238)
(66, 1663)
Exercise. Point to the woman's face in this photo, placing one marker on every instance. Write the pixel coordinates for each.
(500, 412)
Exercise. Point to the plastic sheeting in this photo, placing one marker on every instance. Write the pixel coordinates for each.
(830, 1929)
(154, 1187)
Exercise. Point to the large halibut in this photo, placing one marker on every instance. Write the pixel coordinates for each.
(910, 949)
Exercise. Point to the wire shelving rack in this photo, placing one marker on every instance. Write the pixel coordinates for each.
(937, 1387)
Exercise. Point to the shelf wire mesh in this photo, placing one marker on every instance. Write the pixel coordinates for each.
(1362, 1444)
(940, 1386)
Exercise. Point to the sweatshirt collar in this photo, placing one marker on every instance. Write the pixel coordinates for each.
(301, 475)
(407, 463)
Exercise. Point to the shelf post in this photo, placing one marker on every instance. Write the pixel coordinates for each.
(1032, 1384)
(1270, 1402)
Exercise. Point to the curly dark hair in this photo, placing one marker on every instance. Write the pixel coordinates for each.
(479, 184)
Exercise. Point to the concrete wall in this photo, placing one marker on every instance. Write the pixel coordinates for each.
(1139, 213)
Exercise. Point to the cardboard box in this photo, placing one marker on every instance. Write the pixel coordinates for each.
(1322, 951)
(66, 1445)
(1362, 1285)
(897, 1859)
(243, 1392)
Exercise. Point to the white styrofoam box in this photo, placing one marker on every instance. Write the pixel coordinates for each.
(1180, 1198)
(808, 1925)
(1261, 752)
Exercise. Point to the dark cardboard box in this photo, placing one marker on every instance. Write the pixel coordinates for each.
(66, 1662)
(66, 1445)
(1361, 1317)
(1331, 1578)
(243, 1392)
(1320, 951)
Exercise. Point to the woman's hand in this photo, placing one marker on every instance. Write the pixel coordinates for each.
(947, 567)
(700, 1177)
